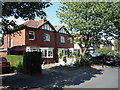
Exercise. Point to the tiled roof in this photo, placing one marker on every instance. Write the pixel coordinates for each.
(37, 24)
(33, 24)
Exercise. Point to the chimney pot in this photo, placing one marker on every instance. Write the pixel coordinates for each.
(43, 19)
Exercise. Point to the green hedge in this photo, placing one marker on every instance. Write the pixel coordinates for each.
(16, 62)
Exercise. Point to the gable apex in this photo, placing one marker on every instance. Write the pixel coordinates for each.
(47, 26)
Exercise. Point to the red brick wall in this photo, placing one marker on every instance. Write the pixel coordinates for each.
(5, 41)
(17, 39)
(19, 48)
(67, 43)
(39, 38)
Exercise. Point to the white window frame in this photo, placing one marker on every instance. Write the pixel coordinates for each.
(32, 49)
(41, 49)
(62, 39)
(47, 53)
(64, 51)
(46, 37)
(33, 33)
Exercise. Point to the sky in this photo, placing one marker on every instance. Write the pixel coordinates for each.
(51, 15)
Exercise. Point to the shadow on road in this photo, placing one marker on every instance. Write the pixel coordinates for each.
(52, 78)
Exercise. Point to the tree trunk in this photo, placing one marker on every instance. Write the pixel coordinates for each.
(83, 51)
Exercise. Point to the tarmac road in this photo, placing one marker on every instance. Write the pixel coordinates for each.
(65, 77)
(109, 79)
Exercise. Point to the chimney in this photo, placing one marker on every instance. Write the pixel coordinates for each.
(43, 19)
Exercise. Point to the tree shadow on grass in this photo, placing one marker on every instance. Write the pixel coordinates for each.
(56, 77)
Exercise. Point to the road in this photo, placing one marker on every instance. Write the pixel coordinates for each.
(65, 77)
(109, 79)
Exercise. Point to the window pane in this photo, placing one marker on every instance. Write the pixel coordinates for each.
(50, 53)
(62, 39)
(31, 35)
(46, 37)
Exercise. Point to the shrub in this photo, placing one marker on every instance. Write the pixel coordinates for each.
(84, 61)
(60, 54)
(18, 67)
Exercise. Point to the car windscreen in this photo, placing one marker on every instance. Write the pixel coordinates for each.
(3, 59)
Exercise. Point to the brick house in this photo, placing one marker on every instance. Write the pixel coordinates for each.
(40, 36)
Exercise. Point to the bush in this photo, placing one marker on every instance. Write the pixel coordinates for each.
(18, 67)
(60, 54)
(84, 61)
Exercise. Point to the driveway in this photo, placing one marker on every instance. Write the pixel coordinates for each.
(54, 76)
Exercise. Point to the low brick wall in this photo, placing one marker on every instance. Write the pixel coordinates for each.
(47, 60)
(3, 53)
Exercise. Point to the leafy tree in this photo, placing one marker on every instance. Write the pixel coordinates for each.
(117, 45)
(24, 10)
(88, 22)
(106, 51)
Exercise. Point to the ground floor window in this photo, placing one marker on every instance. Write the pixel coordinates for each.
(47, 53)
(64, 51)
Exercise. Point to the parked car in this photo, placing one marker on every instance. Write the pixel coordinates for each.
(4, 65)
(97, 58)
(112, 59)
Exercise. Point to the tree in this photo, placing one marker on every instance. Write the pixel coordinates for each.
(106, 51)
(24, 10)
(117, 45)
(89, 22)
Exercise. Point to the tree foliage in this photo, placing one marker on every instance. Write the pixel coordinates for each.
(24, 10)
(117, 45)
(106, 51)
(90, 21)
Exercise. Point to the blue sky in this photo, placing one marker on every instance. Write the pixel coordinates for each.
(51, 15)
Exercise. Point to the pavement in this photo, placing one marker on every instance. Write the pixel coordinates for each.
(55, 76)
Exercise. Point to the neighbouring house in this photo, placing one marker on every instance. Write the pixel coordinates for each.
(39, 36)
(95, 47)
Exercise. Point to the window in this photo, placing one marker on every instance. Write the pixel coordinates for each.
(32, 49)
(47, 53)
(50, 53)
(46, 37)
(62, 39)
(44, 53)
(64, 51)
(31, 35)
(71, 41)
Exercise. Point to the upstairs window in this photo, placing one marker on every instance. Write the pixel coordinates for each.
(46, 37)
(31, 35)
(62, 39)
(71, 40)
